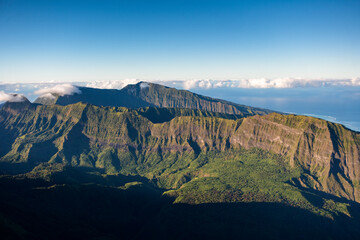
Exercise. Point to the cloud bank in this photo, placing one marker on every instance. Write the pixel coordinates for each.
(6, 97)
(269, 83)
(51, 89)
(60, 90)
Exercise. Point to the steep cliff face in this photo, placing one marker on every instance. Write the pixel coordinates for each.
(162, 96)
(328, 153)
(132, 142)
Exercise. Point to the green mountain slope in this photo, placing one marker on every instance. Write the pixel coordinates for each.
(149, 94)
(121, 140)
(209, 174)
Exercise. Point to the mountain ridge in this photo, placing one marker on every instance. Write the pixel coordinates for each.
(145, 94)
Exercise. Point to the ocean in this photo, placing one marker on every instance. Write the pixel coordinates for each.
(335, 104)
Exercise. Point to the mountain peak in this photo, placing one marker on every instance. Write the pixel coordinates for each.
(17, 99)
(18, 103)
(47, 99)
(12, 97)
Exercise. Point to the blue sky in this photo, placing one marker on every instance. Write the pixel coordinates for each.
(169, 40)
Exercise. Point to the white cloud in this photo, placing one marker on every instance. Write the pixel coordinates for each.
(270, 83)
(355, 82)
(117, 84)
(6, 97)
(189, 84)
(60, 89)
(144, 85)
(48, 96)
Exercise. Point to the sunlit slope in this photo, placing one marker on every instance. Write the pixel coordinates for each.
(167, 144)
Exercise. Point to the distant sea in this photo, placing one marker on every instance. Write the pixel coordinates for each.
(335, 104)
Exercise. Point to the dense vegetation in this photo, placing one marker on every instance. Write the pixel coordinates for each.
(239, 195)
(149, 141)
(86, 171)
